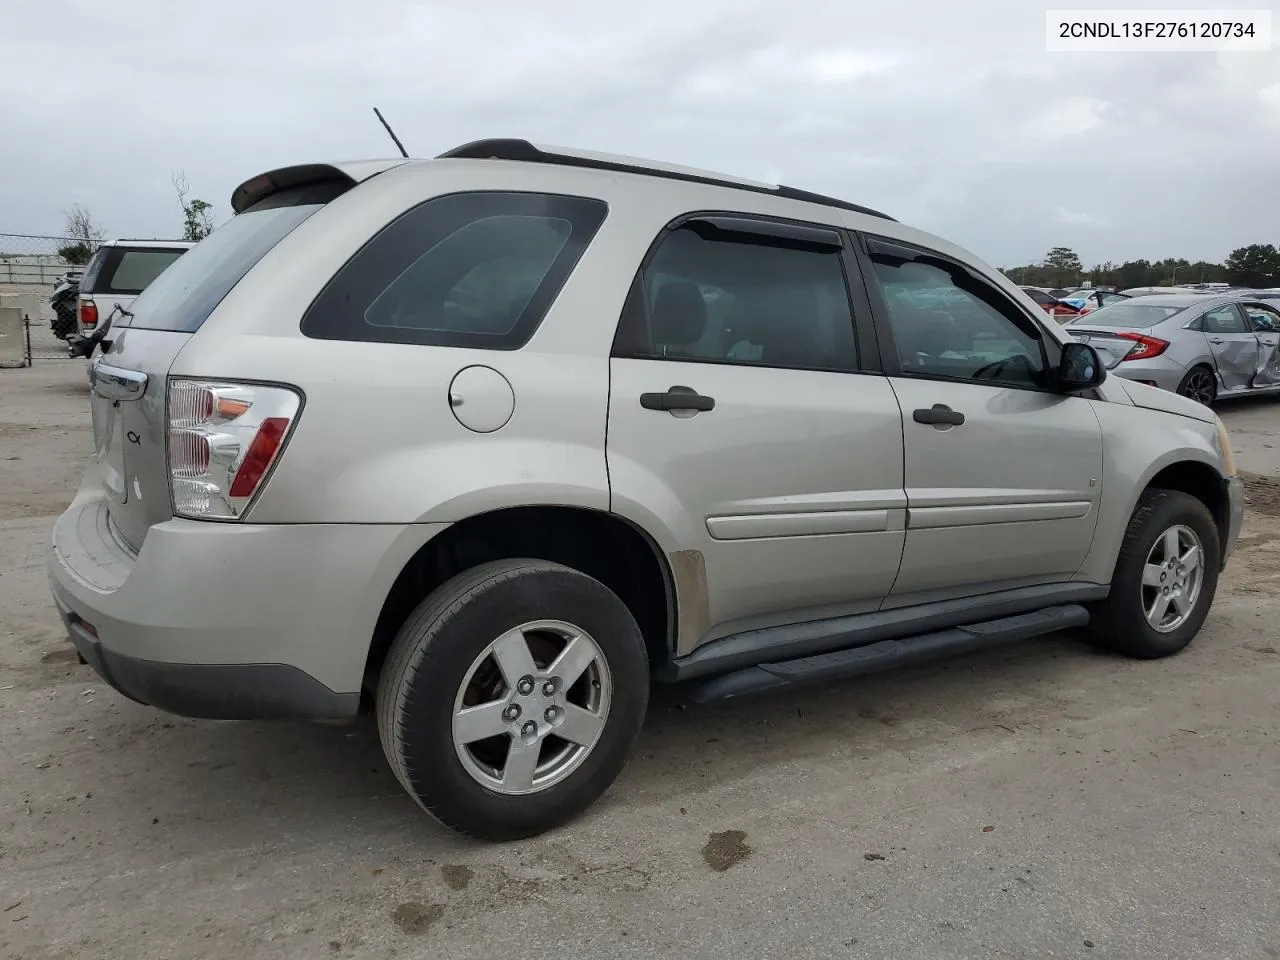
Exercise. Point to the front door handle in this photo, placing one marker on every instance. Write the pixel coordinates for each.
(677, 398)
(1216, 340)
(939, 415)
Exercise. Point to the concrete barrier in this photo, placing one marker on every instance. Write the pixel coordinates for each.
(13, 337)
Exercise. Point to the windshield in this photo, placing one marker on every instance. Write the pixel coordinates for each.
(184, 296)
(1126, 313)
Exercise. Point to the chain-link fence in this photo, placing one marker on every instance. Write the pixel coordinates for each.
(32, 260)
(31, 266)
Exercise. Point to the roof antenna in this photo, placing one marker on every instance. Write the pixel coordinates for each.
(403, 152)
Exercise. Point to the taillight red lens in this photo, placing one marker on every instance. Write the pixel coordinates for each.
(262, 451)
(88, 313)
(1144, 347)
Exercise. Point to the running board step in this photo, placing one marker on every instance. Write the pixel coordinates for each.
(888, 654)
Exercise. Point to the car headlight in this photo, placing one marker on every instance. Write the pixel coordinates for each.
(1224, 444)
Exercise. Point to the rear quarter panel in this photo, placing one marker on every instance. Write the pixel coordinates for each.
(1186, 347)
(1137, 444)
(377, 441)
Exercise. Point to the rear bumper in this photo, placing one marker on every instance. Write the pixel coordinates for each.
(209, 690)
(1162, 372)
(227, 621)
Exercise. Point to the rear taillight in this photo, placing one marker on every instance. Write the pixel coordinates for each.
(223, 440)
(88, 314)
(1144, 347)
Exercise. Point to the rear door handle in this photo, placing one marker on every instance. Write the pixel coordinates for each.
(1216, 340)
(677, 398)
(939, 415)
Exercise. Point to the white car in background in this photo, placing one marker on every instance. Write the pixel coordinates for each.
(118, 272)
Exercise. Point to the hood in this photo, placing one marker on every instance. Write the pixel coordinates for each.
(1153, 398)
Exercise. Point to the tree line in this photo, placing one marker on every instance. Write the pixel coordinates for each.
(85, 234)
(1257, 265)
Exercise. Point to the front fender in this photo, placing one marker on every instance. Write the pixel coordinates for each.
(1138, 444)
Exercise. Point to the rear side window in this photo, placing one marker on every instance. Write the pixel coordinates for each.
(1224, 319)
(91, 271)
(464, 270)
(182, 298)
(714, 295)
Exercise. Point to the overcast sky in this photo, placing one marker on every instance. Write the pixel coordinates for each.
(949, 115)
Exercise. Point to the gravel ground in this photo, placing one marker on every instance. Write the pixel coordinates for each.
(1040, 801)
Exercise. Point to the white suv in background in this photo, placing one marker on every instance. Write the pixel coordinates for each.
(118, 271)
(484, 443)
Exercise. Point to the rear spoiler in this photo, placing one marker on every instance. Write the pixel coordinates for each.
(264, 185)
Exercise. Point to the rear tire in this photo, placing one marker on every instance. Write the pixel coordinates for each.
(1199, 384)
(466, 739)
(62, 326)
(1159, 597)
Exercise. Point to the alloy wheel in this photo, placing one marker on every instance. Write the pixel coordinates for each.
(531, 707)
(1172, 577)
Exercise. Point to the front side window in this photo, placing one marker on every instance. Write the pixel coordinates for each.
(947, 323)
(720, 296)
(467, 269)
(1263, 319)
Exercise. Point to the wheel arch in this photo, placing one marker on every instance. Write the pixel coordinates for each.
(613, 550)
(1198, 479)
(1209, 364)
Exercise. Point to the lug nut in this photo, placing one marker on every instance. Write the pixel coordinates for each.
(512, 713)
(549, 688)
(525, 686)
(529, 729)
(550, 715)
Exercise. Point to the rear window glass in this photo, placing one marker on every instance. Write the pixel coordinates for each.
(1125, 313)
(127, 271)
(182, 298)
(138, 268)
(467, 269)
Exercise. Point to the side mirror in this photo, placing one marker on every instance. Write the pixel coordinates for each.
(1080, 369)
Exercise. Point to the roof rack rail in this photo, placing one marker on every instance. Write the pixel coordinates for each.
(523, 150)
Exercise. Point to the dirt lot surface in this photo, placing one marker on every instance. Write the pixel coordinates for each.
(1041, 801)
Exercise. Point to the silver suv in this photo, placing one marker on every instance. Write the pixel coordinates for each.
(486, 442)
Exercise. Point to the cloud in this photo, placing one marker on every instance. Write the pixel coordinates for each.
(1067, 119)
(949, 116)
(1077, 218)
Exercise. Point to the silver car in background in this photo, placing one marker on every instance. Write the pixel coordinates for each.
(1203, 347)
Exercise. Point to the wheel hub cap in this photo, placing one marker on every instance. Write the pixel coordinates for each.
(531, 707)
(1172, 577)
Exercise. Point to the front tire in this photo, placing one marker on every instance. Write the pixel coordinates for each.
(1165, 577)
(511, 697)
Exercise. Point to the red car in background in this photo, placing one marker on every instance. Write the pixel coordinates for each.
(1051, 305)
